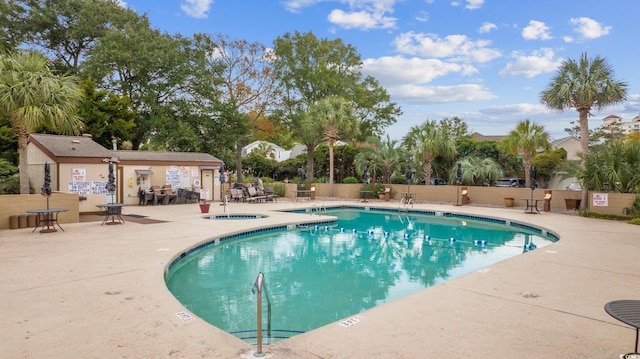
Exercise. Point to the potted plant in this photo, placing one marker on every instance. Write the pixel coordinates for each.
(204, 206)
(572, 203)
(509, 201)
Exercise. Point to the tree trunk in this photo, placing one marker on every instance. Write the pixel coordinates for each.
(526, 162)
(310, 166)
(238, 162)
(23, 165)
(584, 143)
(330, 168)
(427, 170)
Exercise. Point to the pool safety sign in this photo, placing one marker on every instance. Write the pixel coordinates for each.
(185, 316)
(351, 321)
(600, 200)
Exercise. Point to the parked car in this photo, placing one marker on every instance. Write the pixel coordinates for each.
(435, 182)
(511, 182)
(574, 186)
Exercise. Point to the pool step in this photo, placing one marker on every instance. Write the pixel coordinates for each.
(277, 335)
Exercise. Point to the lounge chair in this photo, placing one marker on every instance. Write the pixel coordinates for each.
(270, 195)
(254, 195)
(187, 195)
(236, 195)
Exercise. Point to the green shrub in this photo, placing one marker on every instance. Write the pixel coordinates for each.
(634, 210)
(615, 217)
(10, 185)
(350, 180)
(395, 179)
(373, 190)
(279, 189)
(635, 221)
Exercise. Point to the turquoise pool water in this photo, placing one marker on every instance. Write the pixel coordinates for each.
(330, 271)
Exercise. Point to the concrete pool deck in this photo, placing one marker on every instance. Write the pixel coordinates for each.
(97, 291)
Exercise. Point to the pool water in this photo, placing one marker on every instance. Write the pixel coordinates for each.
(323, 273)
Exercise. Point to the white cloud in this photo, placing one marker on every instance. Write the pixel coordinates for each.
(487, 27)
(567, 39)
(537, 30)
(454, 47)
(414, 94)
(422, 16)
(196, 8)
(121, 3)
(397, 70)
(541, 61)
(589, 28)
(296, 5)
(362, 14)
(474, 4)
(361, 20)
(524, 109)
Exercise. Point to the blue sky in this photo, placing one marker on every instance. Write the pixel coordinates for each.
(485, 61)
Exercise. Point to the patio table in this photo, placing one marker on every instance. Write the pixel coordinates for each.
(626, 311)
(47, 219)
(113, 210)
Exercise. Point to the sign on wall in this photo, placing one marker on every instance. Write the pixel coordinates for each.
(78, 174)
(173, 177)
(99, 187)
(80, 187)
(600, 200)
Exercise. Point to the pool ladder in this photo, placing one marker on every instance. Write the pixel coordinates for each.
(318, 209)
(258, 288)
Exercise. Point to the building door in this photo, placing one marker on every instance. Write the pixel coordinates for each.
(207, 183)
(119, 185)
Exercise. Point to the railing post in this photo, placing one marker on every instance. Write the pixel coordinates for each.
(257, 288)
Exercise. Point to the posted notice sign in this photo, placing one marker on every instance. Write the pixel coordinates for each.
(600, 200)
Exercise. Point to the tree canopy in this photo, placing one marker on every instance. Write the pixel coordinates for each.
(583, 85)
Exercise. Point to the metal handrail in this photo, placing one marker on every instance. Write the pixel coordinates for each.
(318, 209)
(258, 288)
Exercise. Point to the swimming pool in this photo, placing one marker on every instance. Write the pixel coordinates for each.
(324, 272)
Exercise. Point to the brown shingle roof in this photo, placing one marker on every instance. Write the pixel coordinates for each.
(59, 147)
(69, 146)
(127, 155)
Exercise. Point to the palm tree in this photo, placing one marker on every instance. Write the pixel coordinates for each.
(381, 156)
(265, 150)
(33, 97)
(428, 141)
(613, 167)
(584, 85)
(476, 171)
(524, 141)
(336, 119)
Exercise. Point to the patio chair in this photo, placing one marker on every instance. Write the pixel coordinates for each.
(146, 197)
(270, 195)
(161, 196)
(172, 197)
(236, 195)
(254, 195)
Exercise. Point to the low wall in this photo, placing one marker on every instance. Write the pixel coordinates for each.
(616, 202)
(19, 204)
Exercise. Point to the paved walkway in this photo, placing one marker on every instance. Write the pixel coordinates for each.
(98, 292)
